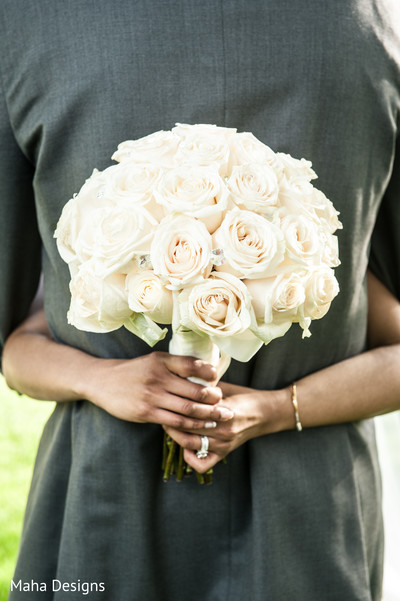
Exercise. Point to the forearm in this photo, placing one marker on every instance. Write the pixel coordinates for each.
(360, 387)
(153, 388)
(357, 388)
(45, 369)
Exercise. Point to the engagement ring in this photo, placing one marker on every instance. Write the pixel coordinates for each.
(202, 454)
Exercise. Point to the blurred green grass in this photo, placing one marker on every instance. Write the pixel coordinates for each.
(21, 424)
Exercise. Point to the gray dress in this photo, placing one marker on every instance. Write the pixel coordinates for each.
(291, 516)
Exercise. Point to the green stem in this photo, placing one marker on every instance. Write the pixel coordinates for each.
(200, 478)
(208, 477)
(181, 466)
(168, 466)
(165, 451)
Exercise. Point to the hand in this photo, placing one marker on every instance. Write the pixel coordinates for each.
(256, 412)
(153, 388)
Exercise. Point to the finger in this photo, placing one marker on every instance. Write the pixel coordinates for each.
(175, 421)
(201, 465)
(198, 411)
(191, 444)
(196, 392)
(188, 367)
(188, 408)
(186, 439)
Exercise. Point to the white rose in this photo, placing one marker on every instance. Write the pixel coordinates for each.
(158, 148)
(77, 212)
(113, 236)
(296, 168)
(246, 148)
(181, 250)
(194, 191)
(321, 287)
(325, 211)
(278, 302)
(296, 195)
(303, 239)
(330, 249)
(130, 183)
(146, 294)
(221, 308)
(299, 196)
(254, 187)
(204, 145)
(97, 304)
(277, 296)
(288, 293)
(252, 246)
(68, 227)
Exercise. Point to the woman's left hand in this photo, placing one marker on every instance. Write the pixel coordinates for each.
(256, 412)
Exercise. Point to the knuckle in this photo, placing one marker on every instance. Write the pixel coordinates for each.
(155, 360)
(144, 411)
(151, 378)
(177, 422)
(186, 366)
(228, 434)
(196, 425)
(187, 442)
(188, 408)
(147, 393)
(198, 394)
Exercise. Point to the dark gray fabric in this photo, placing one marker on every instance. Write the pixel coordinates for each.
(290, 516)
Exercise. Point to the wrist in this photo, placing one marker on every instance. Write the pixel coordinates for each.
(88, 378)
(282, 413)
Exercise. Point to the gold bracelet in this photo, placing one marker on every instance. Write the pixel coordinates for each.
(296, 408)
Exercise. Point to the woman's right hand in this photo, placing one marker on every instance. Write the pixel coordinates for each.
(154, 388)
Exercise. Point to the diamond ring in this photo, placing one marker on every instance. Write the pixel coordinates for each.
(202, 454)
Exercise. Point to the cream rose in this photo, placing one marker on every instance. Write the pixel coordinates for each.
(330, 249)
(181, 250)
(296, 168)
(303, 239)
(299, 196)
(221, 308)
(146, 294)
(77, 212)
(204, 145)
(254, 187)
(246, 148)
(158, 148)
(253, 246)
(283, 295)
(97, 304)
(324, 210)
(194, 191)
(296, 195)
(113, 236)
(321, 287)
(278, 302)
(131, 184)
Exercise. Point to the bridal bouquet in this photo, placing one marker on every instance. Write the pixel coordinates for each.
(208, 230)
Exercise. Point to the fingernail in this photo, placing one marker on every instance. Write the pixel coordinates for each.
(211, 424)
(226, 413)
